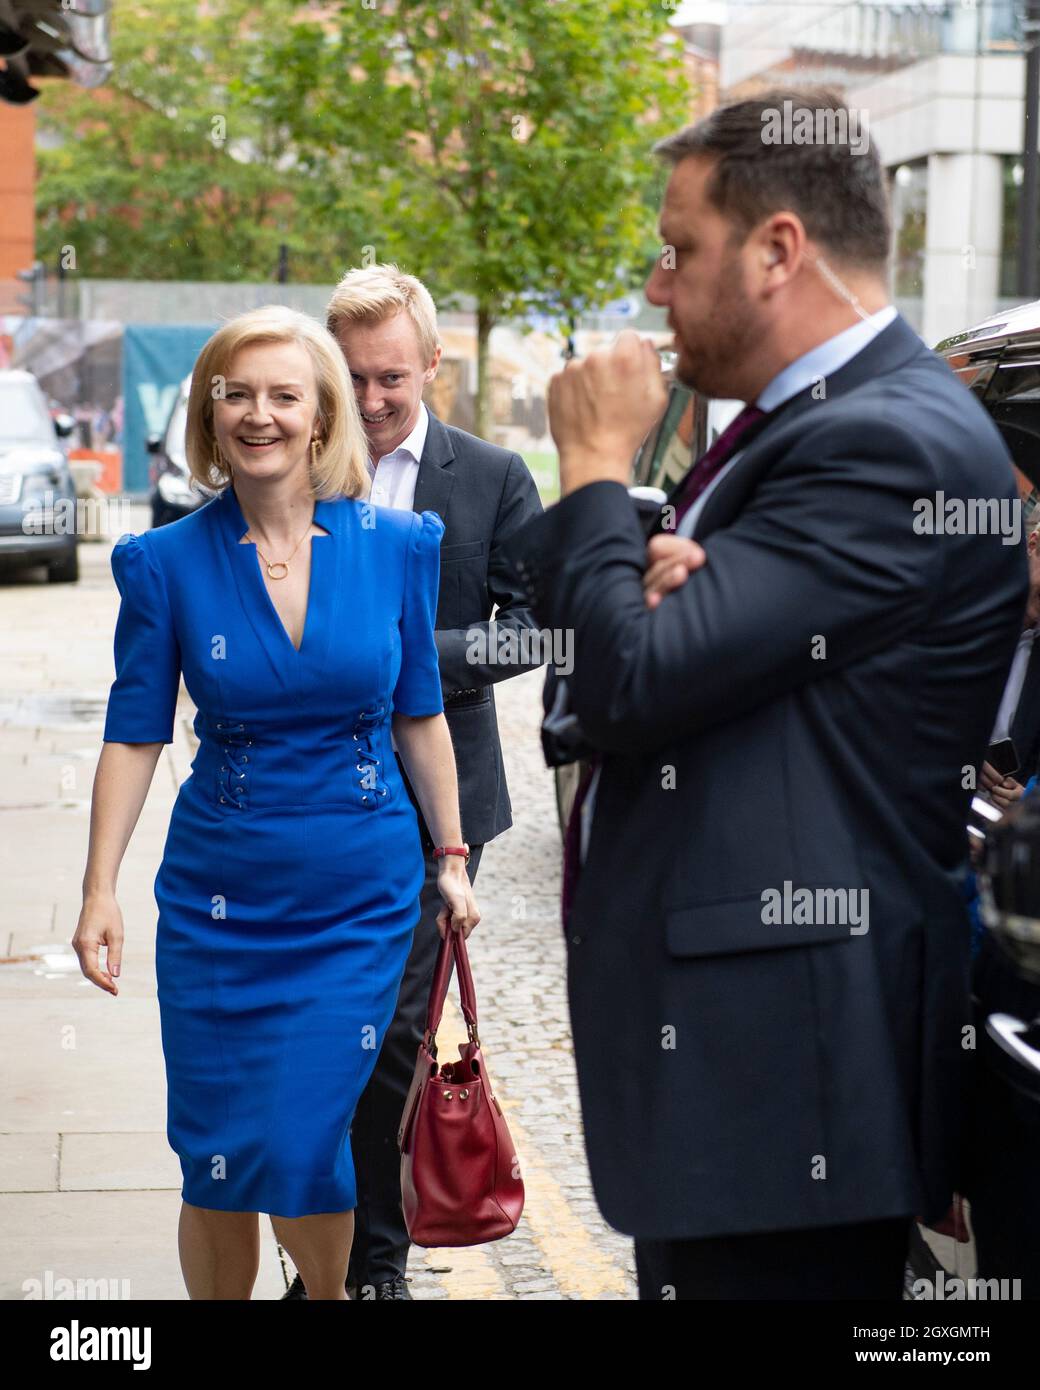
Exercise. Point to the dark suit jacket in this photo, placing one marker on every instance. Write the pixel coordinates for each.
(1025, 723)
(482, 494)
(737, 1074)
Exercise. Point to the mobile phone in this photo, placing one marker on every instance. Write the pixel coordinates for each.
(1003, 756)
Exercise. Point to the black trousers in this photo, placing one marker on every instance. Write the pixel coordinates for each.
(380, 1249)
(857, 1261)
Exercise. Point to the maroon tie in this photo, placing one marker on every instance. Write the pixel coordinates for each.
(711, 461)
(572, 841)
(698, 478)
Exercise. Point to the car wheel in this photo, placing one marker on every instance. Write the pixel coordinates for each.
(65, 571)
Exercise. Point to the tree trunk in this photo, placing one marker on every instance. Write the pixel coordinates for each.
(482, 421)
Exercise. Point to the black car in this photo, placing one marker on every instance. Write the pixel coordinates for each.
(999, 361)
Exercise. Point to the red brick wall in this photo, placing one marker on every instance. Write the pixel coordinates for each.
(17, 199)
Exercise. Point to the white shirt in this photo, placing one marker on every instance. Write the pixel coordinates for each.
(1013, 690)
(395, 476)
(818, 363)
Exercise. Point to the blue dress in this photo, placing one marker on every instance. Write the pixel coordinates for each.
(289, 885)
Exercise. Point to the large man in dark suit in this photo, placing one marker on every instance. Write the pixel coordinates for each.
(385, 322)
(767, 950)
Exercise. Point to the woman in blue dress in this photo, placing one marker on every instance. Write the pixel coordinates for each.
(302, 619)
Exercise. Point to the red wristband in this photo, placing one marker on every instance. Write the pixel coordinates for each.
(442, 850)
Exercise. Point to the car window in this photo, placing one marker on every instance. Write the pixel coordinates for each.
(23, 414)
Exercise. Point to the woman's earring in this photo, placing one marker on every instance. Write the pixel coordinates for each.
(315, 452)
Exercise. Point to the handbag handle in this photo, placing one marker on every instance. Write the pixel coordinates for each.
(452, 951)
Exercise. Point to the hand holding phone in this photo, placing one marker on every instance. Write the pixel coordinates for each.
(1002, 756)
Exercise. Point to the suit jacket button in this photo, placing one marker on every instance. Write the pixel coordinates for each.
(575, 940)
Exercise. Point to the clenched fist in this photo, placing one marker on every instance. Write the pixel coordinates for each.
(601, 409)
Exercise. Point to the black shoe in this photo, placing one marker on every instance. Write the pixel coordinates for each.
(295, 1289)
(394, 1288)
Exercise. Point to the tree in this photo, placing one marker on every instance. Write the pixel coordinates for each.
(500, 151)
(170, 171)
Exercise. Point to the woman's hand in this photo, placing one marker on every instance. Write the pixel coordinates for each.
(100, 924)
(460, 906)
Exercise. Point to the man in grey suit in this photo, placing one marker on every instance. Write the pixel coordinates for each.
(386, 323)
(787, 691)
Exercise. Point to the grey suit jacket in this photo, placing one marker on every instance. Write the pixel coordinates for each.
(482, 494)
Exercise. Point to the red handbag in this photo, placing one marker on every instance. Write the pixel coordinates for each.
(460, 1178)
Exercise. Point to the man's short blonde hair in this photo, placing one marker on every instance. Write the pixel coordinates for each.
(340, 470)
(372, 294)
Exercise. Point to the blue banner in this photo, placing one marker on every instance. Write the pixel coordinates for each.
(156, 359)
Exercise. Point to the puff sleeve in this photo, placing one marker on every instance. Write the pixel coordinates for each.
(418, 688)
(143, 697)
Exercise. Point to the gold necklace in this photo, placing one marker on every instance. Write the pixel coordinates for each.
(282, 565)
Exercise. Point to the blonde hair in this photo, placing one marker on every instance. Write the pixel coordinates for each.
(375, 293)
(340, 469)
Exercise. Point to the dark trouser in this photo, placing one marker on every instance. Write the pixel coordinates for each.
(1004, 1184)
(380, 1249)
(858, 1261)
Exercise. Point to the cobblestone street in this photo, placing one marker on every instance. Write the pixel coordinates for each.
(89, 1189)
